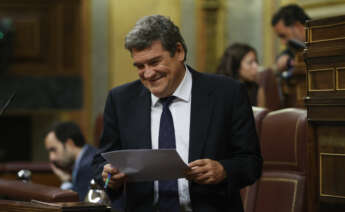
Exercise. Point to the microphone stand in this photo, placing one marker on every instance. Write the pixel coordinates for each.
(3, 109)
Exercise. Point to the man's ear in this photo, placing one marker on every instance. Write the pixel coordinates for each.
(298, 25)
(180, 53)
(70, 143)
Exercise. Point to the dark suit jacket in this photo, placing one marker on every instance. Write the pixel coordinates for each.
(84, 172)
(222, 128)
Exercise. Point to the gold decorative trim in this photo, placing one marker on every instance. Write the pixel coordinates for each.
(321, 27)
(321, 192)
(326, 26)
(295, 163)
(323, 40)
(320, 70)
(337, 70)
(321, 4)
(299, 91)
(308, 35)
(294, 181)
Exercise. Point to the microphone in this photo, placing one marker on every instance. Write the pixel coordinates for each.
(3, 109)
(295, 44)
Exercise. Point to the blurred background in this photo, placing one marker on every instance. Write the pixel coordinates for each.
(61, 57)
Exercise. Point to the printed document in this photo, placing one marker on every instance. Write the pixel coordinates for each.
(148, 164)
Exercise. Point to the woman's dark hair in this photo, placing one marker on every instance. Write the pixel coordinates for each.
(231, 60)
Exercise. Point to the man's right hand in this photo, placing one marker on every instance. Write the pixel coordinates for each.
(284, 62)
(63, 175)
(117, 178)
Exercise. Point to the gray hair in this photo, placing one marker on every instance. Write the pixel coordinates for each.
(155, 28)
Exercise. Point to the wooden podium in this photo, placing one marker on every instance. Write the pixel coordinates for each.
(325, 62)
(15, 206)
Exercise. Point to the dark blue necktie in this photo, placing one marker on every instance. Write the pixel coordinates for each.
(168, 190)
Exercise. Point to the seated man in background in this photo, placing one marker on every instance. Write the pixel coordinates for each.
(70, 157)
(288, 24)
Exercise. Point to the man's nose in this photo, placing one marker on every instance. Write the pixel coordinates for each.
(284, 41)
(148, 73)
(255, 65)
(52, 157)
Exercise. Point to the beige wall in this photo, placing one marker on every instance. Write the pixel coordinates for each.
(122, 17)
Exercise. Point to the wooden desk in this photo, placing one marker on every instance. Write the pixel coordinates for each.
(15, 206)
(325, 102)
(41, 172)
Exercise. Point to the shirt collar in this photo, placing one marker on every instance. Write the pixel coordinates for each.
(183, 91)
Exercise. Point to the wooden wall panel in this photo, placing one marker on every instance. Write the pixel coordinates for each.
(327, 32)
(331, 179)
(325, 59)
(332, 161)
(322, 112)
(27, 42)
(340, 78)
(46, 36)
(321, 80)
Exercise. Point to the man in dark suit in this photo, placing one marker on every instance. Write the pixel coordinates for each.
(207, 118)
(70, 157)
(288, 24)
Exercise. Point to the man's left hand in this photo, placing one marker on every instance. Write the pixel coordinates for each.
(206, 171)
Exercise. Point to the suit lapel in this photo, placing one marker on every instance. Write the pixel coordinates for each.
(141, 118)
(201, 111)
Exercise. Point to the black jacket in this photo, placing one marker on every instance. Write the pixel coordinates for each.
(222, 128)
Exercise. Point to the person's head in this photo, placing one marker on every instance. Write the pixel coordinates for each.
(240, 62)
(63, 142)
(288, 23)
(158, 51)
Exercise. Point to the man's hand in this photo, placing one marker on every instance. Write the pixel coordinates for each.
(117, 178)
(206, 171)
(63, 175)
(282, 63)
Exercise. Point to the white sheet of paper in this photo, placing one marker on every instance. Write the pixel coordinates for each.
(148, 164)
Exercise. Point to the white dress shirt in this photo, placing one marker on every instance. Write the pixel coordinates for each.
(180, 110)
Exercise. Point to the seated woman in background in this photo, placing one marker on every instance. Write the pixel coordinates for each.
(240, 62)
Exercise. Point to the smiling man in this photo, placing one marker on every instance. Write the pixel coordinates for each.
(206, 118)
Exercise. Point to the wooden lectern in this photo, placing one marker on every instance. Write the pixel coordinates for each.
(325, 62)
(15, 206)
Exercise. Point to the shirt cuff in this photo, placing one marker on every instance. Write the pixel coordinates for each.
(66, 185)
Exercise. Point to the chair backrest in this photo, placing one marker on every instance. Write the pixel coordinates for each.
(98, 129)
(280, 191)
(283, 140)
(248, 196)
(259, 114)
(267, 80)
